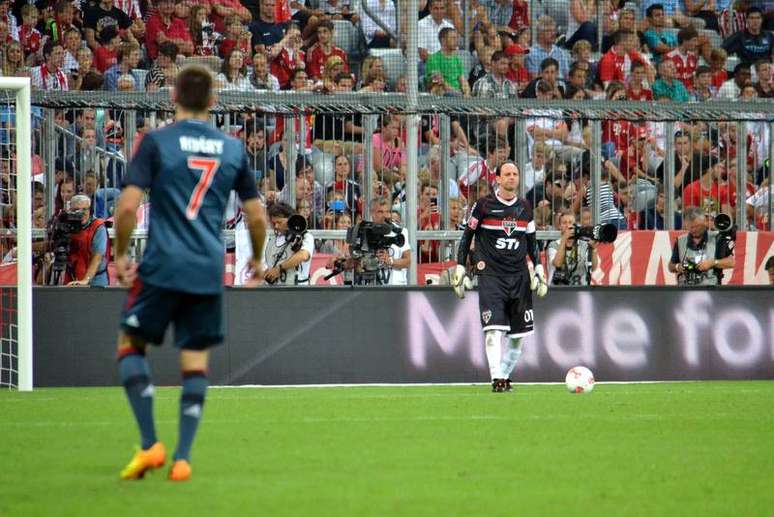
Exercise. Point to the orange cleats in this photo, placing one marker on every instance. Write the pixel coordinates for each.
(180, 471)
(145, 460)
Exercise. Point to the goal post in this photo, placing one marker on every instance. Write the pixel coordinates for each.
(18, 336)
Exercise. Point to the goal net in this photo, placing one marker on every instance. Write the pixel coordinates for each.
(16, 211)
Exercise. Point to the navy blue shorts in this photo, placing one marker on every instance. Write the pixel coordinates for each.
(198, 318)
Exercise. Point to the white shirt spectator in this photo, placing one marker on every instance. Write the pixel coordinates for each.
(428, 31)
(70, 63)
(44, 79)
(385, 12)
(242, 84)
(533, 177)
(302, 270)
(400, 276)
(544, 119)
(729, 90)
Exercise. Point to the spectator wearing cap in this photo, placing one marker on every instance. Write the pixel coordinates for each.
(99, 15)
(702, 85)
(49, 75)
(164, 70)
(764, 71)
(667, 85)
(164, 27)
(128, 57)
(430, 27)
(517, 70)
(684, 55)
(753, 43)
(106, 55)
(324, 49)
(444, 68)
(545, 48)
(659, 41)
(549, 76)
(732, 88)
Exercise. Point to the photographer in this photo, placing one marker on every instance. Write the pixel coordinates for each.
(699, 257)
(89, 250)
(288, 252)
(568, 257)
(396, 258)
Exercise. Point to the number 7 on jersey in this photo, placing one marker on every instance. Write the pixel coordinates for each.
(207, 166)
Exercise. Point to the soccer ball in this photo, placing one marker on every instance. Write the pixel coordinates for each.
(579, 380)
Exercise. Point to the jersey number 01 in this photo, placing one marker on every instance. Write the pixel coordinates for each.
(207, 166)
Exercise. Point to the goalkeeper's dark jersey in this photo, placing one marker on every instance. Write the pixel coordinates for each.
(504, 235)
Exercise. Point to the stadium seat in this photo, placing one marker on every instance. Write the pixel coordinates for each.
(394, 62)
(212, 62)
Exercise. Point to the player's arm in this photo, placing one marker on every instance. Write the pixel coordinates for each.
(539, 283)
(255, 216)
(459, 278)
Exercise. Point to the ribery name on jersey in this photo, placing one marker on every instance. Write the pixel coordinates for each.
(201, 145)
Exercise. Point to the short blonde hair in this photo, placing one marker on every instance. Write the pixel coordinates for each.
(580, 46)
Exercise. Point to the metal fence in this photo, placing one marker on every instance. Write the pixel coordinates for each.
(635, 165)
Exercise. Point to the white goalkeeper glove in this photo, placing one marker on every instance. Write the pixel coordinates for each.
(539, 281)
(460, 281)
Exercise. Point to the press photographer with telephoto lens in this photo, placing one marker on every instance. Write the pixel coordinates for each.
(79, 245)
(571, 259)
(700, 256)
(289, 249)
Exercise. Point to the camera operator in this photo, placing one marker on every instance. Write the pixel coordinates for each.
(89, 248)
(288, 252)
(700, 256)
(396, 258)
(568, 257)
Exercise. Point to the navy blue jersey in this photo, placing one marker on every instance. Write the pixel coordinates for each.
(190, 168)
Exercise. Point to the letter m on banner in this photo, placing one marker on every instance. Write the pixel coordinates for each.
(426, 329)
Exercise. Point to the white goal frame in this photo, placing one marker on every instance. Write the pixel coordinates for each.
(20, 86)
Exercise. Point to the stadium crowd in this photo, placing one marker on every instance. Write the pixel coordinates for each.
(678, 51)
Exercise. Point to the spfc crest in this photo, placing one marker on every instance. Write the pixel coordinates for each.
(508, 226)
(486, 316)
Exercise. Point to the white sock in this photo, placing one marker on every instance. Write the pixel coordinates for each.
(512, 354)
(494, 340)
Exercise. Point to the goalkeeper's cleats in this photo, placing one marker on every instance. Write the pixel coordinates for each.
(508, 386)
(145, 460)
(499, 386)
(180, 471)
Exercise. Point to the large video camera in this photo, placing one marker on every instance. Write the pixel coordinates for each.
(60, 231)
(364, 240)
(599, 232)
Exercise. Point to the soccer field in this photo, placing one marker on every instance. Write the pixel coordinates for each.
(700, 448)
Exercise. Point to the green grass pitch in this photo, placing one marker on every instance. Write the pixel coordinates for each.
(701, 448)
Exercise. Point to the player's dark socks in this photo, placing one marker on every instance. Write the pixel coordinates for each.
(191, 406)
(135, 376)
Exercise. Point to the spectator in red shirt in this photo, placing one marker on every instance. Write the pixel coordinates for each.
(289, 58)
(223, 9)
(319, 53)
(517, 72)
(704, 192)
(106, 55)
(611, 66)
(163, 27)
(717, 62)
(617, 132)
(237, 37)
(727, 189)
(520, 16)
(29, 36)
(636, 90)
(684, 56)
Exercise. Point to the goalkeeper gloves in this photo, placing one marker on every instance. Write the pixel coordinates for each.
(460, 281)
(539, 281)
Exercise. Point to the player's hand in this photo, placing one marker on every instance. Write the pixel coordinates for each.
(126, 271)
(539, 284)
(254, 274)
(460, 281)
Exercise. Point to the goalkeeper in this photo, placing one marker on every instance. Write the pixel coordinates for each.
(505, 235)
